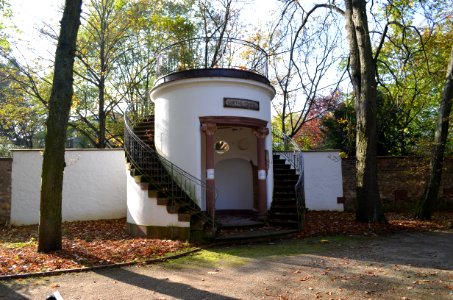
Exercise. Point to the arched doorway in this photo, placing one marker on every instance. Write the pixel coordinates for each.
(258, 129)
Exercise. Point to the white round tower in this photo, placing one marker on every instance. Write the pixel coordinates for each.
(215, 124)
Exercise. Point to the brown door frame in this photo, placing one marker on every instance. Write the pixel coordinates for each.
(209, 126)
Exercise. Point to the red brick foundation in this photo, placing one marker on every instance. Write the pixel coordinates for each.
(5, 189)
(401, 182)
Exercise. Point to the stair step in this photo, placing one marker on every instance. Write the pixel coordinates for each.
(287, 210)
(145, 125)
(148, 118)
(286, 177)
(288, 223)
(279, 160)
(184, 217)
(285, 172)
(283, 204)
(145, 135)
(284, 194)
(284, 187)
(284, 216)
(278, 168)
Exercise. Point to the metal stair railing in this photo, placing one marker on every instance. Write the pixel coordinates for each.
(296, 161)
(180, 187)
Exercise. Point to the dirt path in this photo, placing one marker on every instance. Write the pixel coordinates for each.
(401, 266)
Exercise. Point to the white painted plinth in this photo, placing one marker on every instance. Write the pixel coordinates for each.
(142, 208)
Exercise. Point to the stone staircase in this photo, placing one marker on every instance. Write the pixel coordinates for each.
(145, 131)
(283, 211)
(160, 184)
(155, 178)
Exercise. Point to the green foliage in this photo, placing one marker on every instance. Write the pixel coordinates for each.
(411, 74)
(5, 147)
(5, 13)
(411, 71)
(278, 140)
(117, 50)
(339, 129)
(22, 117)
(394, 138)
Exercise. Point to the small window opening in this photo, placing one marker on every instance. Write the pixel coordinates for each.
(221, 147)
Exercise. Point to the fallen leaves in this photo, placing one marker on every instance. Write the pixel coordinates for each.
(328, 222)
(85, 244)
(92, 243)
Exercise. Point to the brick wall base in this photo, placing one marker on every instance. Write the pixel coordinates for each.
(401, 182)
(5, 189)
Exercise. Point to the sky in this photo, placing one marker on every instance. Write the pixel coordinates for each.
(31, 15)
(28, 17)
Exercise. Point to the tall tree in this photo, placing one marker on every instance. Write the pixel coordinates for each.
(361, 61)
(425, 207)
(101, 37)
(362, 75)
(59, 107)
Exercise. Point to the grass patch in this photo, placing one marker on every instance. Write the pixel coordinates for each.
(236, 255)
(313, 245)
(19, 245)
(207, 258)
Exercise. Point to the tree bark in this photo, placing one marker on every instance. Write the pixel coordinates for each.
(425, 206)
(101, 142)
(59, 107)
(368, 206)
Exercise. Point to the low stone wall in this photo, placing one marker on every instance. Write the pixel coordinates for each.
(401, 182)
(94, 185)
(5, 189)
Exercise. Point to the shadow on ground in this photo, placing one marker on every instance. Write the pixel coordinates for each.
(9, 293)
(162, 286)
(419, 249)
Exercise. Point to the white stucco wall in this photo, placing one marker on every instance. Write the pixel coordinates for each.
(323, 180)
(142, 208)
(94, 185)
(179, 104)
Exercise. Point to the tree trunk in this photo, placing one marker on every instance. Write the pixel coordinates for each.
(425, 206)
(59, 107)
(369, 207)
(101, 138)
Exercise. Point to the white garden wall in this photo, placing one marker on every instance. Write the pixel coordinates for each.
(323, 180)
(94, 185)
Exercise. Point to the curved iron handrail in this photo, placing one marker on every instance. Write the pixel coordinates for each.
(163, 173)
(203, 53)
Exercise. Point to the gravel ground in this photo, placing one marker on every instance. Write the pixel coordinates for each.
(404, 265)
